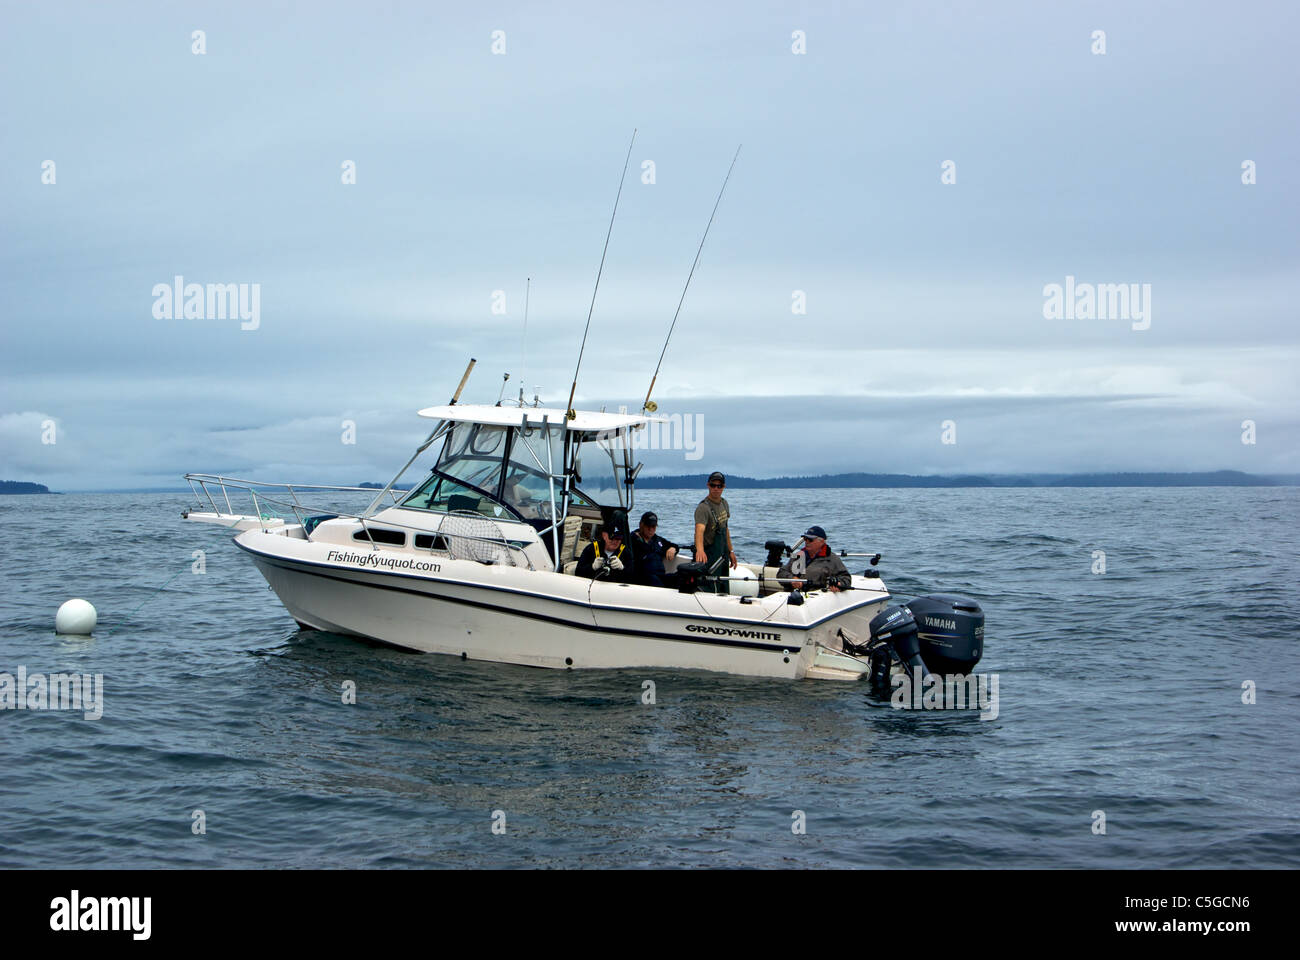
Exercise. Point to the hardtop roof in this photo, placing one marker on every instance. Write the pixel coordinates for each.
(515, 416)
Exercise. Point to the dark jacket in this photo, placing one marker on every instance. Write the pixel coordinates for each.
(816, 569)
(649, 555)
(597, 549)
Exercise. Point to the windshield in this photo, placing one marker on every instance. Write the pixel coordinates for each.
(444, 495)
(533, 453)
(469, 475)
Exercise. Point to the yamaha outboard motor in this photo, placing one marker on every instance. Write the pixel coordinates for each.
(950, 630)
(938, 634)
(894, 635)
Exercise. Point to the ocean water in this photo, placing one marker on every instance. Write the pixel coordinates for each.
(1119, 693)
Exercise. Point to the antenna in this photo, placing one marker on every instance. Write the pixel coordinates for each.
(569, 412)
(649, 405)
(523, 348)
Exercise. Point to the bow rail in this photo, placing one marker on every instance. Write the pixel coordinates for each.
(461, 535)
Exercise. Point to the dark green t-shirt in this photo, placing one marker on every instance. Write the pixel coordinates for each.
(714, 517)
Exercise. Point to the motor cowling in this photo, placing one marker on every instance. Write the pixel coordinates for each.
(950, 632)
(690, 576)
(894, 628)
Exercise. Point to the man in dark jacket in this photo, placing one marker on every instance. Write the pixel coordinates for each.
(607, 558)
(650, 551)
(811, 565)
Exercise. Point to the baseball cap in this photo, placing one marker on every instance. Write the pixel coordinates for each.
(649, 519)
(814, 533)
(716, 477)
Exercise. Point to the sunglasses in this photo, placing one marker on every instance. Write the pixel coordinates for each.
(717, 484)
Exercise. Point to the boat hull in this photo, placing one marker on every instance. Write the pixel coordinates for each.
(543, 619)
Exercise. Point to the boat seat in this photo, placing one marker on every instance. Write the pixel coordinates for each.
(311, 523)
(769, 577)
(572, 544)
(568, 533)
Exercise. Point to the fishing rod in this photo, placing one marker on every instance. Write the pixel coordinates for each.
(650, 406)
(456, 395)
(873, 557)
(568, 410)
(776, 549)
(434, 435)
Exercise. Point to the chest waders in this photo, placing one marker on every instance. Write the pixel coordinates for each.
(711, 553)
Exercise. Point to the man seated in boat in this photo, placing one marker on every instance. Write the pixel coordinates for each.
(649, 550)
(607, 558)
(813, 565)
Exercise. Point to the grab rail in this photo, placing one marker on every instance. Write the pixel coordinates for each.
(251, 487)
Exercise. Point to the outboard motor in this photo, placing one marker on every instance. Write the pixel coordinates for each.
(937, 634)
(950, 631)
(894, 634)
(689, 577)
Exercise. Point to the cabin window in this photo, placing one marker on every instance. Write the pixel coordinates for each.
(393, 538)
(527, 488)
(580, 499)
(474, 453)
(444, 495)
(430, 541)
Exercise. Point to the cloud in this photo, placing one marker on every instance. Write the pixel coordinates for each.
(924, 300)
(1014, 412)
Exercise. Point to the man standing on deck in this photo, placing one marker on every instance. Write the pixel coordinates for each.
(713, 532)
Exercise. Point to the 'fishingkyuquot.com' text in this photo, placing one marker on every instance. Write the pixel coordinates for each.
(379, 560)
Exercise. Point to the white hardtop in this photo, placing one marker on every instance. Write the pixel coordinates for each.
(514, 416)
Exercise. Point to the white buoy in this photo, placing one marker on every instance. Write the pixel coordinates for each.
(76, 618)
(743, 583)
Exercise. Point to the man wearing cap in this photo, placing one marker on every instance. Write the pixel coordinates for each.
(606, 558)
(811, 565)
(650, 550)
(713, 531)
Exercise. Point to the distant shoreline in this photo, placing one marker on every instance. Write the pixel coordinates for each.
(868, 481)
(22, 487)
(891, 481)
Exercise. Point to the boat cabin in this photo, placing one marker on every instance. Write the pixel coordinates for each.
(524, 464)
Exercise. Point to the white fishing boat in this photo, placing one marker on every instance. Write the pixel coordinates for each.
(478, 561)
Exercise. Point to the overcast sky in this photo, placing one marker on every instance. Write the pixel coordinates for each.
(474, 170)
